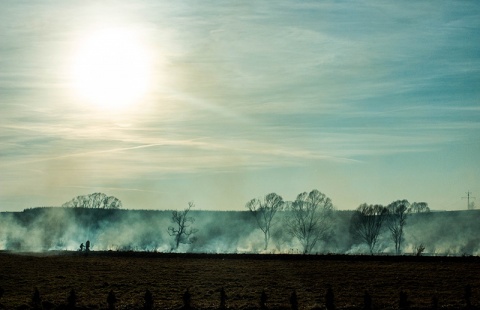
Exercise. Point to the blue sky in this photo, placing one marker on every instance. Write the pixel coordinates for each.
(366, 101)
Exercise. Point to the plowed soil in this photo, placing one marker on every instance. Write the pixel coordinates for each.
(243, 277)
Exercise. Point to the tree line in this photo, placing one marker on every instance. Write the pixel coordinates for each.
(368, 221)
(309, 220)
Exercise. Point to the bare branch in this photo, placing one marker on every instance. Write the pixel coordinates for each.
(367, 222)
(182, 229)
(397, 219)
(95, 200)
(308, 219)
(264, 211)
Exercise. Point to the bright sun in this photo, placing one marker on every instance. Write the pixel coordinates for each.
(111, 69)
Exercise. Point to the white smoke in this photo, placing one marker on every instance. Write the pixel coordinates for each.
(43, 229)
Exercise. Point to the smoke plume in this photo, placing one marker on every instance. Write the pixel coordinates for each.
(44, 229)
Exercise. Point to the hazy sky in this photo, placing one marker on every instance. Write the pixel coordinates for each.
(366, 101)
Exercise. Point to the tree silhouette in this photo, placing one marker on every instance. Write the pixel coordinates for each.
(308, 218)
(397, 219)
(366, 223)
(182, 229)
(419, 207)
(94, 201)
(263, 211)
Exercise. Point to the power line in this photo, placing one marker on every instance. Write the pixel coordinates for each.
(469, 206)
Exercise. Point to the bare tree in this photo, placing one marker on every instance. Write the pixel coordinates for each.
(308, 218)
(182, 229)
(264, 210)
(419, 207)
(110, 202)
(397, 219)
(94, 201)
(366, 223)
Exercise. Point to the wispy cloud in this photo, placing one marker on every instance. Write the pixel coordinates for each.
(249, 86)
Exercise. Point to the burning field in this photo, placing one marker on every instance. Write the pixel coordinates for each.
(424, 280)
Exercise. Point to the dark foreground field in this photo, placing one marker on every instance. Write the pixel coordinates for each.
(243, 277)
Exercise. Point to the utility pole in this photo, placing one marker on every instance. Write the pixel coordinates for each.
(469, 207)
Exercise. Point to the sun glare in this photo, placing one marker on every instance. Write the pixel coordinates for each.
(111, 69)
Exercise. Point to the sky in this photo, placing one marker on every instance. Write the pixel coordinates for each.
(366, 101)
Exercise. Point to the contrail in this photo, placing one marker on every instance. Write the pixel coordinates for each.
(186, 142)
(109, 188)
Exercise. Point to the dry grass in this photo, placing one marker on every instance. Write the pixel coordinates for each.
(242, 276)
